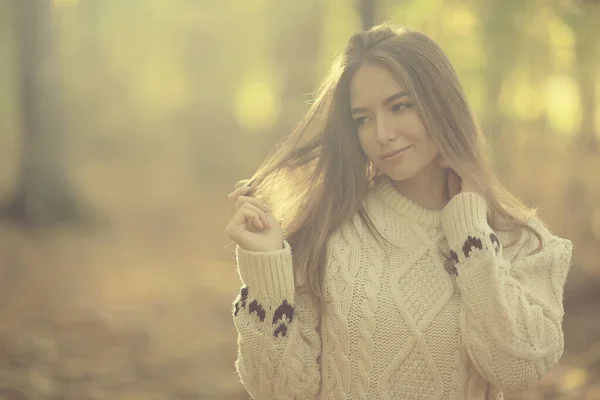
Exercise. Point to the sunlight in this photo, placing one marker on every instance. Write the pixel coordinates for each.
(64, 3)
(562, 40)
(160, 87)
(343, 21)
(122, 274)
(460, 20)
(597, 116)
(574, 378)
(256, 103)
(563, 107)
(518, 98)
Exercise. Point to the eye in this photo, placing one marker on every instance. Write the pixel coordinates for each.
(359, 121)
(400, 106)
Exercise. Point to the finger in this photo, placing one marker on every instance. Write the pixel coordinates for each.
(238, 192)
(248, 216)
(252, 200)
(242, 217)
(262, 215)
(243, 182)
(254, 219)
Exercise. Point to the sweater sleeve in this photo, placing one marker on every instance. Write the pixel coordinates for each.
(278, 337)
(512, 314)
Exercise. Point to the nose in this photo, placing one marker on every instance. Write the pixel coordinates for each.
(385, 129)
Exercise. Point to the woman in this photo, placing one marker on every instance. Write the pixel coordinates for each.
(415, 274)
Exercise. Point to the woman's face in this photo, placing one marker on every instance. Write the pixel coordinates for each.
(386, 121)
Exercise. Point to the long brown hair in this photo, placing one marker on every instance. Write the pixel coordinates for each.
(317, 178)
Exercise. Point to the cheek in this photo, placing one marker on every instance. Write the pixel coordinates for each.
(368, 145)
(431, 147)
(362, 140)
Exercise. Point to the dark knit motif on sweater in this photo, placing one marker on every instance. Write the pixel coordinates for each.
(469, 246)
(282, 316)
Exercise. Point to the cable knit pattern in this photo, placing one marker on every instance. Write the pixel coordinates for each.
(365, 313)
(336, 361)
(400, 326)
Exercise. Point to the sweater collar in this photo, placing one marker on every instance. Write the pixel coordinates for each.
(402, 205)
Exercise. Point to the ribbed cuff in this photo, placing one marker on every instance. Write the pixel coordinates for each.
(464, 214)
(270, 273)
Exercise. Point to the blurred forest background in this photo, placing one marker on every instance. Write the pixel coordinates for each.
(125, 123)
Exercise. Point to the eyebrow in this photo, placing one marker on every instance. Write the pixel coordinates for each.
(385, 102)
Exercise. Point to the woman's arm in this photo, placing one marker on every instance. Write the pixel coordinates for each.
(278, 337)
(512, 310)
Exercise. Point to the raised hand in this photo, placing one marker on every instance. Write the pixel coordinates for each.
(252, 226)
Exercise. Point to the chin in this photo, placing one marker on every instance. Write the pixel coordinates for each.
(398, 176)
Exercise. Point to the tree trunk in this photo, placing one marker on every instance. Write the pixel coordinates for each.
(586, 70)
(499, 43)
(582, 21)
(297, 54)
(368, 13)
(43, 193)
(90, 12)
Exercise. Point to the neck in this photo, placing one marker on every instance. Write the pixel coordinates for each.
(428, 188)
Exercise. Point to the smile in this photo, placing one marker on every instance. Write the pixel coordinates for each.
(396, 155)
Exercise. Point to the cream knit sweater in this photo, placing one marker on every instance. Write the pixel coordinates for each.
(402, 327)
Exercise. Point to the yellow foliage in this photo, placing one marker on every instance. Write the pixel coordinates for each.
(563, 107)
(160, 87)
(518, 98)
(256, 102)
(574, 378)
(61, 3)
(342, 22)
(597, 118)
(460, 19)
(562, 41)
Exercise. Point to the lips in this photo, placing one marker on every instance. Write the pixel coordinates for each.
(393, 153)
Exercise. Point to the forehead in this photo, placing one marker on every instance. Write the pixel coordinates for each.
(372, 84)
